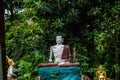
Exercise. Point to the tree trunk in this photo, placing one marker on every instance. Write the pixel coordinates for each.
(3, 74)
(11, 11)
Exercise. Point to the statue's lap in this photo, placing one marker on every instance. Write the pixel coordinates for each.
(56, 65)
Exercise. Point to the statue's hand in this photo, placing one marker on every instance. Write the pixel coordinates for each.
(50, 60)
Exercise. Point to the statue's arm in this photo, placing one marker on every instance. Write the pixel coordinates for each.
(50, 58)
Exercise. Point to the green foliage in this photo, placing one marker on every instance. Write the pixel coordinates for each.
(81, 56)
(27, 36)
(28, 65)
(116, 67)
(92, 27)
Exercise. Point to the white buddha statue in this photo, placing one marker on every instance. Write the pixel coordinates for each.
(61, 54)
(57, 51)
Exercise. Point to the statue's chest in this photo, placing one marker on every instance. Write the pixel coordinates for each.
(58, 50)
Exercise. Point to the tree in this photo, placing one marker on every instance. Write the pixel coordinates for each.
(90, 26)
(2, 44)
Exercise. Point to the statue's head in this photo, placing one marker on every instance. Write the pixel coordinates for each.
(59, 38)
(100, 66)
(10, 62)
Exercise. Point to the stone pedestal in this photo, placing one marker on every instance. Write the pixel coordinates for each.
(59, 73)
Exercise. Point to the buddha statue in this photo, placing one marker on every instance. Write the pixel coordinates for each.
(101, 74)
(10, 74)
(61, 53)
(61, 63)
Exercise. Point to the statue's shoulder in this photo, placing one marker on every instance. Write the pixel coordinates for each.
(51, 47)
(66, 46)
(54, 46)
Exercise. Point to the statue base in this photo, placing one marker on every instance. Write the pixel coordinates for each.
(59, 73)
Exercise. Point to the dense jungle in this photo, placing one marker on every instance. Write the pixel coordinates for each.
(92, 27)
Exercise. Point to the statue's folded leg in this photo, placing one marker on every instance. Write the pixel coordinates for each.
(47, 65)
(69, 64)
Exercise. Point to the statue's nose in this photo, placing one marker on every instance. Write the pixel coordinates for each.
(58, 39)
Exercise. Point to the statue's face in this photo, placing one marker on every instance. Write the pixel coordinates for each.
(59, 39)
(13, 63)
(10, 62)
